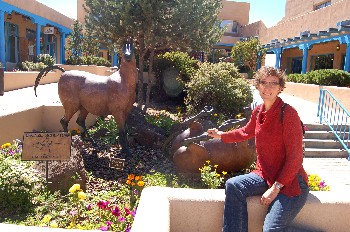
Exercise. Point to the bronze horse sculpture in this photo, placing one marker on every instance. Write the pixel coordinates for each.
(99, 95)
(192, 147)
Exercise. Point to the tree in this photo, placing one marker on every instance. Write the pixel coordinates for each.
(155, 25)
(76, 39)
(247, 53)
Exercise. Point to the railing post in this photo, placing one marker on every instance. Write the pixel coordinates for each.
(320, 105)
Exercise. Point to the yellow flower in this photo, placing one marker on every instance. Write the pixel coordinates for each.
(53, 224)
(217, 174)
(215, 166)
(128, 182)
(46, 218)
(208, 161)
(81, 195)
(224, 173)
(140, 183)
(74, 188)
(6, 145)
(215, 115)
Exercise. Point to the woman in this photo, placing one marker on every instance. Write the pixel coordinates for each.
(279, 177)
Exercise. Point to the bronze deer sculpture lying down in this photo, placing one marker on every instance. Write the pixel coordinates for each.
(192, 147)
(99, 95)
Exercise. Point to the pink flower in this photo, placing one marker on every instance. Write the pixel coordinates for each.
(72, 212)
(104, 228)
(116, 212)
(121, 219)
(89, 207)
(108, 223)
(102, 204)
(127, 211)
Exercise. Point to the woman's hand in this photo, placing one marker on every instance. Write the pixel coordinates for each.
(269, 195)
(215, 133)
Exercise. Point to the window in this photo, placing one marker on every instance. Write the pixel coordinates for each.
(322, 5)
(323, 61)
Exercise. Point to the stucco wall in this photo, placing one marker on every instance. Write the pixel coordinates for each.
(238, 11)
(299, 7)
(42, 10)
(314, 21)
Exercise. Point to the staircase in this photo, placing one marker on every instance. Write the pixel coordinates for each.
(320, 142)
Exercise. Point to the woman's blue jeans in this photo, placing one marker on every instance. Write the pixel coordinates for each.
(281, 211)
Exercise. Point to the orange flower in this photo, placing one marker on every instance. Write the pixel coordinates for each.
(137, 178)
(128, 182)
(140, 183)
(131, 176)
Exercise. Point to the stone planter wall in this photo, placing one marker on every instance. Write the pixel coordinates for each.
(311, 93)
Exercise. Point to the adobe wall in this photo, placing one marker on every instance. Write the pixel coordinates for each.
(321, 19)
(238, 11)
(42, 10)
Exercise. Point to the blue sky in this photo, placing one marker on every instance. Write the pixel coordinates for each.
(269, 11)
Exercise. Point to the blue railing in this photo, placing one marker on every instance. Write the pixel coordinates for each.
(333, 113)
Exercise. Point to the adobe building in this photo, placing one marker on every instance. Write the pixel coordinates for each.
(312, 35)
(29, 28)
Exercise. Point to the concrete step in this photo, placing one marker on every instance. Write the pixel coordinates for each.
(316, 127)
(323, 143)
(319, 135)
(325, 153)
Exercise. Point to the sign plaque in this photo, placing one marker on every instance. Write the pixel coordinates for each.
(39, 146)
(117, 163)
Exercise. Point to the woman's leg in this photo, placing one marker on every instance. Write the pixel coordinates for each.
(237, 190)
(284, 209)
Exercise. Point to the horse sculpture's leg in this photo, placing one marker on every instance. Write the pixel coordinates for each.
(81, 122)
(123, 136)
(64, 124)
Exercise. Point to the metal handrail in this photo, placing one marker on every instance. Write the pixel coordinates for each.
(334, 114)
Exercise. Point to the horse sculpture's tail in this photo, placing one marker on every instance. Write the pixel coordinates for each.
(43, 73)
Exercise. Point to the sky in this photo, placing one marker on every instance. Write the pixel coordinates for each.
(65, 7)
(269, 11)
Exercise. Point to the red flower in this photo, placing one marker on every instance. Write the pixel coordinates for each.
(116, 212)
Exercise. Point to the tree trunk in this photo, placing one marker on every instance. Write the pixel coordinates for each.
(140, 77)
(149, 79)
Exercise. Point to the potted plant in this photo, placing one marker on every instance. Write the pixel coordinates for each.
(1, 79)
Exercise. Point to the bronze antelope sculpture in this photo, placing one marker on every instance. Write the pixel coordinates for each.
(192, 147)
(99, 95)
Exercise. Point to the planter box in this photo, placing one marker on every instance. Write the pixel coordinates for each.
(18, 80)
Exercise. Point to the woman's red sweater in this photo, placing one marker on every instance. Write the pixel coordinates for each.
(279, 147)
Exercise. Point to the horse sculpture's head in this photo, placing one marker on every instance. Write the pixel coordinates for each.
(128, 50)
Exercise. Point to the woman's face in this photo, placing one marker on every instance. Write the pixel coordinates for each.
(269, 87)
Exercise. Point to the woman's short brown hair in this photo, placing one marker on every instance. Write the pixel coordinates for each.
(266, 71)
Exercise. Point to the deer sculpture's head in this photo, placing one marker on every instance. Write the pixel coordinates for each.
(128, 50)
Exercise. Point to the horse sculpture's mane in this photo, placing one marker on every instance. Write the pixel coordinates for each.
(99, 95)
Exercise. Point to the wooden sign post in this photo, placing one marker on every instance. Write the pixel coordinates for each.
(47, 147)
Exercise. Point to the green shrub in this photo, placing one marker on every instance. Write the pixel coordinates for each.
(219, 85)
(182, 61)
(20, 184)
(327, 77)
(31, 66)
(88, 60)
(161, 120)
(110, 127)
(44, 58)
(296, 78)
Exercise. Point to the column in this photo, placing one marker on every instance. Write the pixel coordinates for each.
(347, 58)
(2, 39)
(37, 42)
(305, 56)
(63, 49)
(278, 59)
(115, 59)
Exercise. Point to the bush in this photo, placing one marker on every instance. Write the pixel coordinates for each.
(88, 60)
(30, 66)
(182, 61)
(45, 58)
(327, 77)
(219, 85)
(20, 184)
